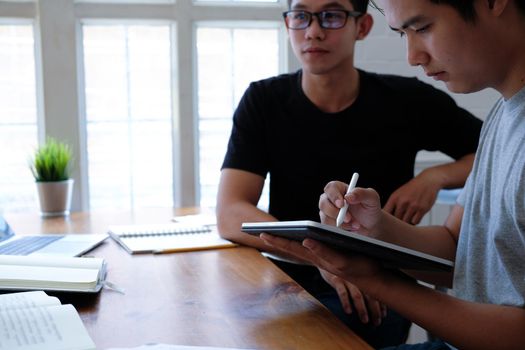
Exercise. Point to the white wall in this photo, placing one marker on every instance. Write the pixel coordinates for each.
(385, 52)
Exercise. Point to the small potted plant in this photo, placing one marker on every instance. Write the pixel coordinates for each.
(51, 166)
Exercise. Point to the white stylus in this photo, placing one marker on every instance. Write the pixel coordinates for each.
(342, 211)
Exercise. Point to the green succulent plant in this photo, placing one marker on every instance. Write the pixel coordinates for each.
(52, 161)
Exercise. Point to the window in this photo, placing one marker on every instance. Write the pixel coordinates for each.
(229, 58)
(18, 116)
(145, 90)
(128, 113)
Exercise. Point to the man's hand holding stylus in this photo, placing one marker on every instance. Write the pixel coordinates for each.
(364, 207)
(368, 309)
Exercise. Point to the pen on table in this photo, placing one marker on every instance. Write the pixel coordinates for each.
(342, 211)
(176, 250)
(165, 251)
(226, 244)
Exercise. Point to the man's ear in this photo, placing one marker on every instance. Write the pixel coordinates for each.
(364, 26)
(497, 6)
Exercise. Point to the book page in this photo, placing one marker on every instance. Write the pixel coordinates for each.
(50, 277)
(44, 328)
(26, 300)
(81, 263)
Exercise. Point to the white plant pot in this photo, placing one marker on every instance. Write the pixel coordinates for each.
(55, 197)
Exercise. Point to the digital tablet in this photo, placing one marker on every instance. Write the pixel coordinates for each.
(391, 255)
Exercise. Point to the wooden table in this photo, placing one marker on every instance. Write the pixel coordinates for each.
(226, 298)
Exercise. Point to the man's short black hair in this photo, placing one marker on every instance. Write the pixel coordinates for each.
(466, 7)
(359, 5)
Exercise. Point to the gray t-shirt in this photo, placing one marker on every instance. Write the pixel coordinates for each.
(490, 258)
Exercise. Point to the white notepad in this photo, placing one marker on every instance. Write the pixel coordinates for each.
(167, 238)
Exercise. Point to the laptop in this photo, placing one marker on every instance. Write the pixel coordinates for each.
(46, 244)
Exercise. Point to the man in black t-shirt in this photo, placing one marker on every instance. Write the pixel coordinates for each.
(324, 123)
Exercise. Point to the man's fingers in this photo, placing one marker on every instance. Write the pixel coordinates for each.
(359, 303)
(416, 219)
(327, 210)
(342, 292)
(368, 198)
(334, 192)
(390, 206)
(409, 214)
(374, 309)
(310, 250)
(400, 210)
(289, 246)
(326, 258)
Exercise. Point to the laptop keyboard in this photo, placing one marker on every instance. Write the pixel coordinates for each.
(27, 245)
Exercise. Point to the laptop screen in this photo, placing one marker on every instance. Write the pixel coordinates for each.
(5, 230)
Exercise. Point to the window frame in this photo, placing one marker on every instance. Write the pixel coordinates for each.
(60, 71)
(238, 24)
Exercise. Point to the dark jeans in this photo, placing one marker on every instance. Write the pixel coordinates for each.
(431, 345)
(393, 330)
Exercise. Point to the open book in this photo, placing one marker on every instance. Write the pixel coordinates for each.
(36, 321)
(52, 273)
(391, 255)
(167, 238)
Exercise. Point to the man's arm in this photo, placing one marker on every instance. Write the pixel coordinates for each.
(365, 216)
(414, 199)
(239, 192)
(465, 325)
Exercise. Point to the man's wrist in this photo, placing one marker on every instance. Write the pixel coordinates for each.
(383, 226)
(434, 177)
(383, 283)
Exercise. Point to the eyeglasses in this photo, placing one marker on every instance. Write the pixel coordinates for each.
(329, 19)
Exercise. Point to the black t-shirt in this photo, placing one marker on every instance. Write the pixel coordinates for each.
(278, 131)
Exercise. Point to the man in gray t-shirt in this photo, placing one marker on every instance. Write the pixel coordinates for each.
(492, 243)
(469, 45)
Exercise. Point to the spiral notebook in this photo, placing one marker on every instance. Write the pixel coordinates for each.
(167, 238)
